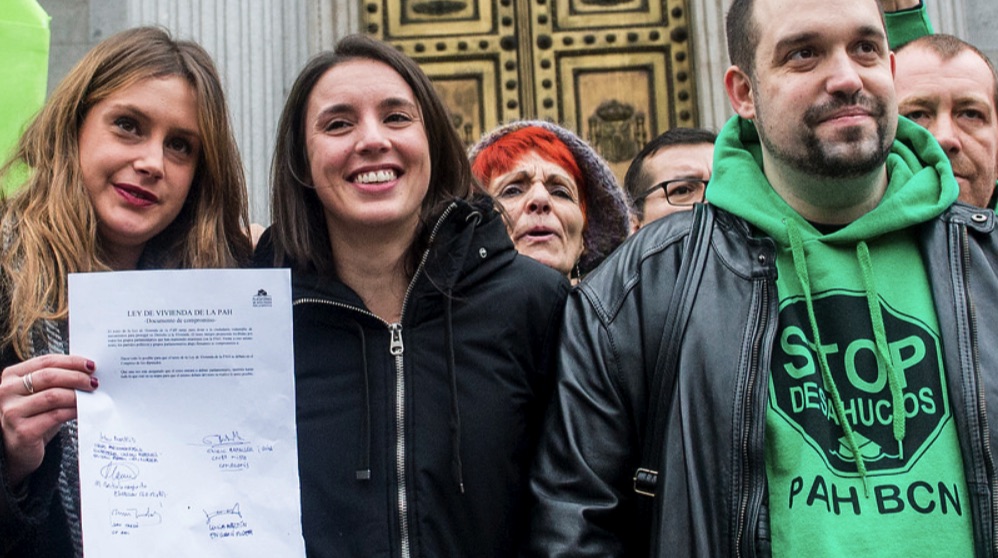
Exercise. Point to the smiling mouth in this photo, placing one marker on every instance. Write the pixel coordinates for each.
(136, 195)
(845, 116)
(376, 177)
(848, 115)
(860, 106)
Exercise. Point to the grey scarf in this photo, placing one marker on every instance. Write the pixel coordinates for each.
(51, 337)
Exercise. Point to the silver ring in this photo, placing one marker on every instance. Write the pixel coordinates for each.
(28, 384)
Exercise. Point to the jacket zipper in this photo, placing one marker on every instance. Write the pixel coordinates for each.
(396, 349)
(981, 411)
(746, 409)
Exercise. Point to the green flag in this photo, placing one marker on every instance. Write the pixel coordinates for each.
(24, 59)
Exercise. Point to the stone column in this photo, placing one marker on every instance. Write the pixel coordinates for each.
(330, 20)
(981, 26)
(710, 56)
(259, 46)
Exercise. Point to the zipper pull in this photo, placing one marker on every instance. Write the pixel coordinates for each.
(396, 347)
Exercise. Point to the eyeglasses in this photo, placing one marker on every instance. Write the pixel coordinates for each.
(680, 191)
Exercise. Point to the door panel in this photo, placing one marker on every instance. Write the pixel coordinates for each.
(617, 72)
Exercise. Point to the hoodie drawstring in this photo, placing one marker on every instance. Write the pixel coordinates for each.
(800, 267)
(363, 471)
(457, 465)
(880, 337)
(364, 467)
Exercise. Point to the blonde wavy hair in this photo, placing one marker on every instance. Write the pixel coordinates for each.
(49, 226)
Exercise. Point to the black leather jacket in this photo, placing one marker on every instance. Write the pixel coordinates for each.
(712, 491)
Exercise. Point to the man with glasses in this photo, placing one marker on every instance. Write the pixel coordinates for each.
(670, 174)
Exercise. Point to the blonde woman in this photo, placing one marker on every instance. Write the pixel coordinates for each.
(131, 164)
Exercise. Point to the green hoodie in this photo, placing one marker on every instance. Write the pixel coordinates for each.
(861, 449)
(907, 25)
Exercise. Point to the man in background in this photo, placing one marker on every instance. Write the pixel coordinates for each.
(950, 87)
(669, 174)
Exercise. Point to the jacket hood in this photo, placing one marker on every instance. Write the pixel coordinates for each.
(607, 211)
(468, 247)
(920, 186)
(469, 242)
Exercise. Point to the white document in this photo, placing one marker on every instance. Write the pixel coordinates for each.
(188, 447)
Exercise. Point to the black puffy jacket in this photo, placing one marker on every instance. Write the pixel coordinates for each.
(712, 493)
(415, 439)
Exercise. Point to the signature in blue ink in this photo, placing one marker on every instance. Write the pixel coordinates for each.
(222, 515)
(119, 470)
(228, 439)
(134, 517)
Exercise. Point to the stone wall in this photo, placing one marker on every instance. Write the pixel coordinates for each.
(259, 47)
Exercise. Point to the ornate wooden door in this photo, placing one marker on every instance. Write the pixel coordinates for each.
(617, 72)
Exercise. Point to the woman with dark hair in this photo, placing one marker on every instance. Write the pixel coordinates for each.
(131, 164)
(560, 199)
(423, 342)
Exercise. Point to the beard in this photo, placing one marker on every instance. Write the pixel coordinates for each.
(854, 153)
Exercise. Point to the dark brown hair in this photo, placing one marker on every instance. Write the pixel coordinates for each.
(636, 180)
(743, 34)
(299, 231)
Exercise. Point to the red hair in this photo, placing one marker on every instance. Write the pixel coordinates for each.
(502, 155)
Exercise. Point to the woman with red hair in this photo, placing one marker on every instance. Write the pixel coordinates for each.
(560, 200)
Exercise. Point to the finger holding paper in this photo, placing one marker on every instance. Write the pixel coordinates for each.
(36, 397)
(188, 448)
(133, 166)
